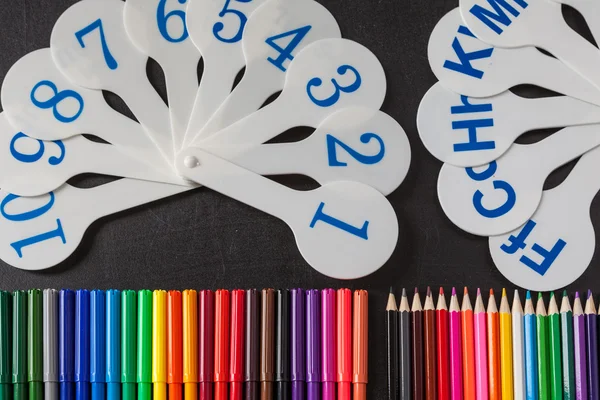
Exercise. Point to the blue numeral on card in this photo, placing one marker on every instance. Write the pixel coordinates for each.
(332, 142)
(219, 26)
(328, 219)
(53, 102)
(286, 53)
(42, 237)
(31, 158)
(162, 17)
(331, 100)
(97, 24)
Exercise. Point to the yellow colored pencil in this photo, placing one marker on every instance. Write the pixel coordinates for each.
(159, 344)
(506, 351)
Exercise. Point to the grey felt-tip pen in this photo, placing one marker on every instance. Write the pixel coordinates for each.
(50, 328)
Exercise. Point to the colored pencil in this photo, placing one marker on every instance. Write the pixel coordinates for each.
(556, 390)
(592, 346)
(66, 344)
(518, 354)
(129, 344)
(493, 332)
(236, 347)
(480, 339)
(175, 345)
(35, 353)
(468, 348)
(542, 349)
(82, 345)
(567, 346)
(222, 305)
(417, 348)
(392, 346)
(531, 380)
(5, 345)
(252, 344)
(159, 344)
(506, 349)
(50, 332)
(580, 350)
(328, 377)
(313, 345)
(344, 344)
(98, 344)
(206, 343)
(455, 350)
(19, 345)
(189, 302)
(360, 348)
(113, 344)
(429, 347)
(443, 365)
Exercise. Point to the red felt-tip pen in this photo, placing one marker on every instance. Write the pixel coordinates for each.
(236, 351)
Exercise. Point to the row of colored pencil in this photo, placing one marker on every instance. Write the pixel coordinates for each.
(298, 344)
(478, 353)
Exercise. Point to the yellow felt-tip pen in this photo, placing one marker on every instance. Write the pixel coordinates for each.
(159, 344)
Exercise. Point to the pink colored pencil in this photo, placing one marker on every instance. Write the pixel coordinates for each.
(481, 363)
(456, 389)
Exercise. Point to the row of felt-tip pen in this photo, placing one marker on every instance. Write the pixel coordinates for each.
(460, 352)
(274, 344)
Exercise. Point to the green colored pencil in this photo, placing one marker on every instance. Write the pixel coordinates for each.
(128, 343)
(542, 349)
(35, 345)
(19, 349)
(144, 345)
(556, 388)
(568, 360)
(5, 346)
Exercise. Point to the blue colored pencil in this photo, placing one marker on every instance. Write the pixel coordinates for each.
(531, 379)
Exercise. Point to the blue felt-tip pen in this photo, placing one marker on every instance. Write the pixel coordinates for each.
(82, 345)
(66, 344)
(113, 344)
(98, 344)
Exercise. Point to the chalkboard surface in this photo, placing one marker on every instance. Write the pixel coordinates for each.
(205, 240)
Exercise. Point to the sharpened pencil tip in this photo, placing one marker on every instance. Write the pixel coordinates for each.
(491, 292)
(465, 291)
(453, 291)
(576, 295)
(416, 290)
(589, 293)
(565, 293)
(528, 295)
(551, 294)
(428, 291)
(391, 290)
(441, 291)
(403, 292)
(539, 295)
(478, 292)
(503, 292)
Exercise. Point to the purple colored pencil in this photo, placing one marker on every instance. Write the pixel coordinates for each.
(592, 353)
(298, 343)
(313, 344)
(581, 392)
(328, 344)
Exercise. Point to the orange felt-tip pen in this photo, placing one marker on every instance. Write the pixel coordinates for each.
(221, 344)
(190, 344)
(159, 344)
(174, 345)
(236, 351)
(344, 343)
(360, 345)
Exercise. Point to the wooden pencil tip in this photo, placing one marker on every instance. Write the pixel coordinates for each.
(453, 291)
(416, 290)
(428, 291)
(478, 292)
(539, 295)
(565, 293)
(528, 295)
(551, 295)
(491, 292)
(503, 292)
(391, 290)
(576, 295)
(466, 291)
(441, 291)
(403, 292)
(589, 293)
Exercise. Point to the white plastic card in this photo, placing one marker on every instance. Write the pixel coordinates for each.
(39, 232)
(468, 66)
(590, 9)
(540, 23)
(216, 27)
(90, 47)
(39, 100)
(158, 28)
(501, 196)
(557, 244)
(31, 167)
(326, 76)
(354, 144)
(468, 132)
(274, 35)
(345, 230)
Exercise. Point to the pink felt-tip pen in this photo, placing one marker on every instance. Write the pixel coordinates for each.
(328, 343)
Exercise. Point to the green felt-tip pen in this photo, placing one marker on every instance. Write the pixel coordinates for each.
(128, 343)
(144, 345)
(35, 345)
(5, 346)
(19, 348)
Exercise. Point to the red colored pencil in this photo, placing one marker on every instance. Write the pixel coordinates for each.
(174, 345)
(236, 352)
(221, 344)
(443, 366)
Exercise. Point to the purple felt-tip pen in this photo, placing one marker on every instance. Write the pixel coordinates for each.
(328, 344)
(313, 344)
(298, 344)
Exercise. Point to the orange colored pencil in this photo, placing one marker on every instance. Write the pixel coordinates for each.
(493, 330)
(468, 347)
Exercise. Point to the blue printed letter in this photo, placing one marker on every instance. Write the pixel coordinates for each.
(486, 16)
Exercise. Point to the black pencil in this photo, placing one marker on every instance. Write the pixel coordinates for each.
(417, 347)
(404, 347)
(392, 346)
